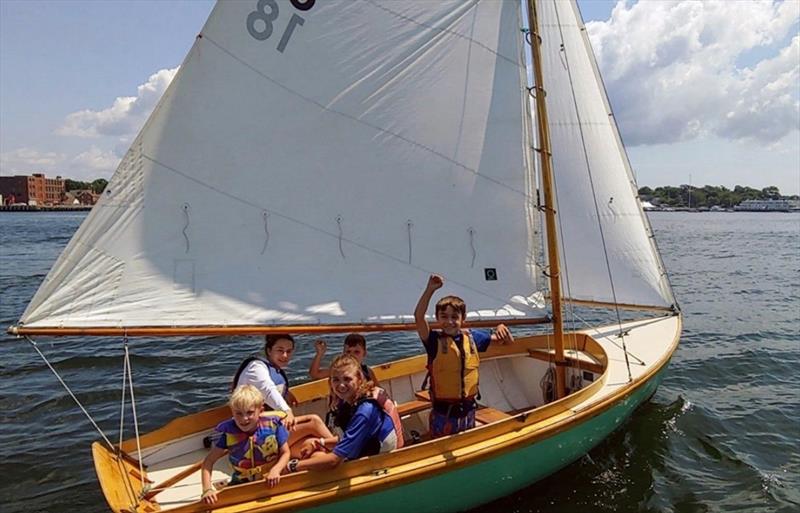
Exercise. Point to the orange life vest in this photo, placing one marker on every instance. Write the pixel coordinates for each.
(454, 369)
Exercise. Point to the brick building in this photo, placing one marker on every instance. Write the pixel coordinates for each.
(32, 190)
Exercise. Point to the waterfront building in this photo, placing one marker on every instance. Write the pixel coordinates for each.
(80, 197)
(33, 190)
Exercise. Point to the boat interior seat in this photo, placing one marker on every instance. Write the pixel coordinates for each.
(411, 407)
(487, 415)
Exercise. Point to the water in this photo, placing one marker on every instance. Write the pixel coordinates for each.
(721, 434)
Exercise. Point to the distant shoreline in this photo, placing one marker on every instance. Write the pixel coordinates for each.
(39, 208)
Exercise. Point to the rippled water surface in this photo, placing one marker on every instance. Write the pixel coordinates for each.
(721, 434)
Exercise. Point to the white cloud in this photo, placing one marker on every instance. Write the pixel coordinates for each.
(125, 116)
(25, 161)
(672, 69)
(88, 165)
(96, 160)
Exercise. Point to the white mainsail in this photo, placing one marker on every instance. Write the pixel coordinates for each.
(312, 166)
(595, 190)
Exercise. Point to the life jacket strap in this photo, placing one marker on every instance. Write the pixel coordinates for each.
(247, 473)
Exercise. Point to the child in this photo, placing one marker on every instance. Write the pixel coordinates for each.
(269, 376)
(354, 344)
(370, 424)
(253, 440)
(452, 360)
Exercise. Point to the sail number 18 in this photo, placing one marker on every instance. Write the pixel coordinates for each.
(260, 22)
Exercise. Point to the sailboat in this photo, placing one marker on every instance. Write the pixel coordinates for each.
(309, 166)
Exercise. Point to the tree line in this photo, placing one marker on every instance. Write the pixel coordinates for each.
(707, 196)
(96, 186)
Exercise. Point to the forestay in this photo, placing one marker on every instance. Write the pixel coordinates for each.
(595, 189)
(312, 162)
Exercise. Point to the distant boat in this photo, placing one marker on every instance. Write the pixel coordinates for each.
(308, 167)
(768, 205)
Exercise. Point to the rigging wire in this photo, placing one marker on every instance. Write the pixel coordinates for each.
(122, 402)
(594, 194)
(133, 408)
(631, 177)
(69, 391)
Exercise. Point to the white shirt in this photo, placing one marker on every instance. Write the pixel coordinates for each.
(257, 374)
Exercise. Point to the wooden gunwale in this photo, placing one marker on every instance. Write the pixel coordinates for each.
(427, 458)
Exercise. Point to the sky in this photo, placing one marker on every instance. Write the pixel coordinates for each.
(704, 92)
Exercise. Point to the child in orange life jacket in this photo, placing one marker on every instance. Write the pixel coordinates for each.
(253, 440)
(453, 360)
(369, 423)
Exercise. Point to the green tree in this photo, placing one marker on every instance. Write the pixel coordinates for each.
(99, 185)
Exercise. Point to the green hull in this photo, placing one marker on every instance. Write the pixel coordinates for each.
(500, 476)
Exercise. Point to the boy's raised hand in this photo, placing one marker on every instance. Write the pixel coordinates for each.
(435, 282)
(320, 346)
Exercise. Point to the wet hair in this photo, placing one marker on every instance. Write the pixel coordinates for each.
(354, 339)
(454, 302)
(246, 397)
(270, 340)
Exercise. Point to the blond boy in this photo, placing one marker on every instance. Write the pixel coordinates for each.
(256, 443)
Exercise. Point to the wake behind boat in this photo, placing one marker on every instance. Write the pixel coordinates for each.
(310, 164)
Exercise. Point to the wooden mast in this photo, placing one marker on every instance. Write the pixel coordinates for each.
(545, 154)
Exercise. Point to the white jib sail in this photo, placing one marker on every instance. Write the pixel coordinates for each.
(314, 165)
(595, 189)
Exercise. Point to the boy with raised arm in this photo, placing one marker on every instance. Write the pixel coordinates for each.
(453, 360)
